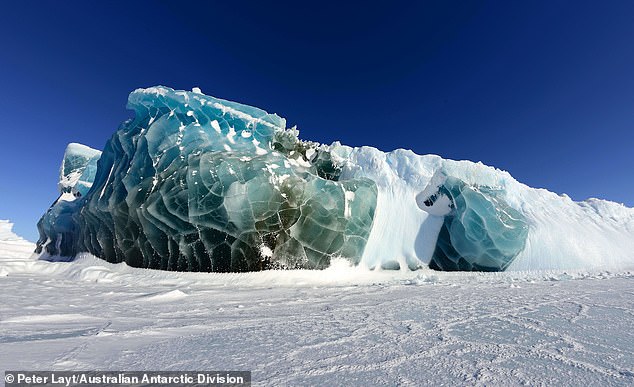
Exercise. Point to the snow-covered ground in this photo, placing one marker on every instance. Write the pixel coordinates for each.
(340, 326)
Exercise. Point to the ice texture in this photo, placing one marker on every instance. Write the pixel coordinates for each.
(195, 183)
(480, 230)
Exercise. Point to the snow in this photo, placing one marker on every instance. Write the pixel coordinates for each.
(6, 233)
(216, 126)
(12, 245)
(340, 326)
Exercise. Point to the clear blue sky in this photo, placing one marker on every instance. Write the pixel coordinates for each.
(542, 89)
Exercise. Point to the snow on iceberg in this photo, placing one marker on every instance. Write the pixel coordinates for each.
(11, 246)
(196, 183)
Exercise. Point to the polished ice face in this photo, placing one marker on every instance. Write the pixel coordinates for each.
(196, 183)
(480, 230)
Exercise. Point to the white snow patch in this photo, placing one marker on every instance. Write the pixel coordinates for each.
(265, 251)
(231, 135)
(216, 126)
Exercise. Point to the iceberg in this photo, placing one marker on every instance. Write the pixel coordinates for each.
(197, 183)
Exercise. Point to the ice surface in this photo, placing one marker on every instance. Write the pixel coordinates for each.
(197, 183)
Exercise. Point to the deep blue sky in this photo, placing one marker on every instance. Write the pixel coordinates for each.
(542, 89)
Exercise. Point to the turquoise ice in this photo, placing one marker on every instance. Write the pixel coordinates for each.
(196, 183)
(78, 169)
(480, 232)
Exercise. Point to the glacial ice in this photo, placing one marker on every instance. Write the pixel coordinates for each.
(196, 183)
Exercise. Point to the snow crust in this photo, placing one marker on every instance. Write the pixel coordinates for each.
(340, 326)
